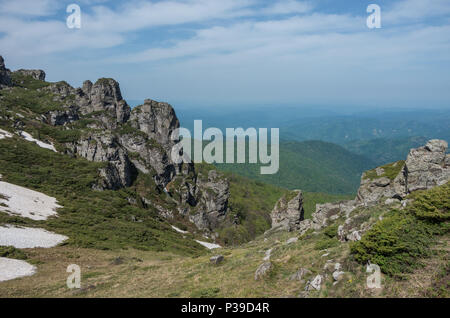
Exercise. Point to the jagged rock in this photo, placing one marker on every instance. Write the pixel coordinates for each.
(157, 120)
(213, 203)
(287, 215)
(5, 74)
(216, 259)
(36, 74)
(314, 284)
(263, 270)
(104, 96)
(424, 168)
(268, 254)
(104, 148)
(427, 166)
(300, 274)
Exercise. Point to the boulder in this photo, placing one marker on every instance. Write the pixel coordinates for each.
(288, 212)
(315, 284)
(300, 274)
(216, 259)
(263, 270)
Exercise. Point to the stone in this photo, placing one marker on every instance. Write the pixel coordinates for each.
(292, 240)
(288, 214)
(315, 284)
(36, 74)
(338, 275)
(354, 236)
(300, 274)
(5, 75)
(216, 259)
(263, 270)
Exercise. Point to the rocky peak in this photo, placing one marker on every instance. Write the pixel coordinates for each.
(158, 120)
(5, 74)
(36, 74)
(288, 211)
(105, 95)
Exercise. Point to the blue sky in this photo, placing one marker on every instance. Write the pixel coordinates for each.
(238, 53)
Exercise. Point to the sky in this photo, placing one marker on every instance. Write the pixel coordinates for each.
(241, 53)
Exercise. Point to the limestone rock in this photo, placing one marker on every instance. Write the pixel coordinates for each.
(263, 270)
(288, 214)
(5, 74)
(315, 284)
(300, 274)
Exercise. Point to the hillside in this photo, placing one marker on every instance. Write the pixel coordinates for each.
(313, 166)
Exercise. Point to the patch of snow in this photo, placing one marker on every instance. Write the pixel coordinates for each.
(209, 246)
(4, 134)
(41, 144)
(178, 230)
(29, 237)
(13, 268)
(26, 202)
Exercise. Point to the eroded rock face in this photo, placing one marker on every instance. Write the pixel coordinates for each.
(36, 74)
(157, 120)
(129, 141)
(5, 74)
(288, 213)
(425, 167)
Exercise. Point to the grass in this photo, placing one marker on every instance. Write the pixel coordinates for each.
(391, 171)
(404, 236)
(94, 219)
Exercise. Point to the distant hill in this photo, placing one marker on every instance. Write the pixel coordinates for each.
(312, 166)
(384, 150)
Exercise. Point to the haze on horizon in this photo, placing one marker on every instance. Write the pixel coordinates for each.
(241, 52)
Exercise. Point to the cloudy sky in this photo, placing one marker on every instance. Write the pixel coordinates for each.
(241, 53)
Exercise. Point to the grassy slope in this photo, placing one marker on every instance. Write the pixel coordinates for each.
(150, 274)
(312, 166)
(90, 218)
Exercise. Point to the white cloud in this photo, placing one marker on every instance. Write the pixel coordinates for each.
(29, 7)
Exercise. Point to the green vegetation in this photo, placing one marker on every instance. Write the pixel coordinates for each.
(404, 236)
(12, 252)
(94, 219)
(312, 166)
(391, 171)
(29, 82)
(37, 101)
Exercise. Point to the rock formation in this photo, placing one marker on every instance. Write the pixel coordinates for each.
(424, 168)
(5, 75)
(129, 142)
(288, 212)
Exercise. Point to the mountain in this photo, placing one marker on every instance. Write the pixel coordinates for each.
(396, 229)
(313, 166)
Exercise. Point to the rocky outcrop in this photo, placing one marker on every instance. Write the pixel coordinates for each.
(263, 270)
(129, 142)
(5, 75)
(212, 205)
(36, 74)
(288, 212)
(156, 120)
(424, 168)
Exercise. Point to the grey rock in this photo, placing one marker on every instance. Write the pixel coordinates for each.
(36, 74)
(315, 284)
(5, 75)
(216, 259)
(292, 240)
(338, 275)
(288, 215)
(263, 270)
(300, 274)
